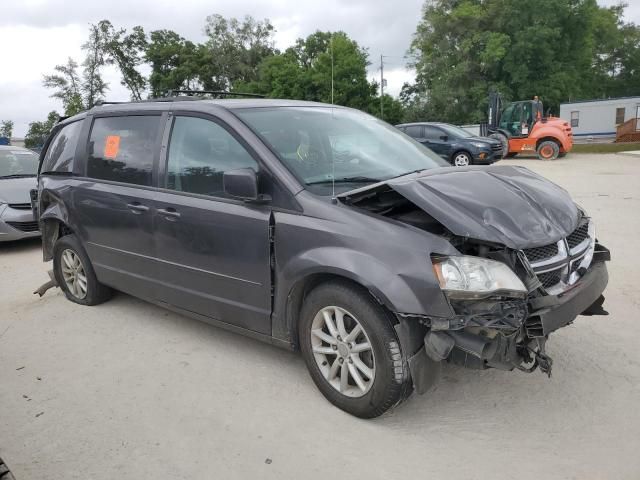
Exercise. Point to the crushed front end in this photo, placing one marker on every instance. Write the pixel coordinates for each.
(508, 329)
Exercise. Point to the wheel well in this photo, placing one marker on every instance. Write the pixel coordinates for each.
(54, 229)
(548, 139)
(299, 292)
(462, 150)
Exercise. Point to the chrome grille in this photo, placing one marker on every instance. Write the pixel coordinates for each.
(578, 235)
(541, 253)
(556, 264)
(24, 226)
(20, 206)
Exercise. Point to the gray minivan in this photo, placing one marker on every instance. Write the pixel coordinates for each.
(317, 228)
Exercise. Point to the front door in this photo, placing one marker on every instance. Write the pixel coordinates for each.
(213, 251)
(113, 203)
(437, 140)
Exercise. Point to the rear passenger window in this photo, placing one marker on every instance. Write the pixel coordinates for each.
(414, 131)
(62, 149)
(121, 149)
(200, 151)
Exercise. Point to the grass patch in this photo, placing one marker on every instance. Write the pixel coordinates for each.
(605, 147)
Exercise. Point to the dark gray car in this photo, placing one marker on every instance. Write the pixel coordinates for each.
(318, 228)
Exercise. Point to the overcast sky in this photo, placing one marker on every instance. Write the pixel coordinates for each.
(36, 35)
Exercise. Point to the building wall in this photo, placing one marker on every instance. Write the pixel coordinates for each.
(598, 117)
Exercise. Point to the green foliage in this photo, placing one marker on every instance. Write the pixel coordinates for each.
(557, 49)
(68, 87)
(304, 72)
(6, 129)
(126, 52)
(39, 131)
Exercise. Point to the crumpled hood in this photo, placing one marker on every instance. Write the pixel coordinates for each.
(500, 204)
(16, 190)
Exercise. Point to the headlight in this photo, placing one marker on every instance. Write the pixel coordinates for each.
(479, 145)
(475, 277)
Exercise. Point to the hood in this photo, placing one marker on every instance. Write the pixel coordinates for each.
(499, 204)
(16, 190)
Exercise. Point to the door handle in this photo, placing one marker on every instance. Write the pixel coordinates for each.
(137, 208)
(169, 213)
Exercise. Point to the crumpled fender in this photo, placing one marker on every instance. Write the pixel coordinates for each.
(51, 212)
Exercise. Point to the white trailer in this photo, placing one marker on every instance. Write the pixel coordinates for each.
(593, 119)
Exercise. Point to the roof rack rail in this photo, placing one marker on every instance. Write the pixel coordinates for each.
(216, 93)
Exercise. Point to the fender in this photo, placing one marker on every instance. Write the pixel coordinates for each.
(542, 130)
(399, 290)
(52, 211)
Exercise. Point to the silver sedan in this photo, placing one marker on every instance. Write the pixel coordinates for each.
(18, 169)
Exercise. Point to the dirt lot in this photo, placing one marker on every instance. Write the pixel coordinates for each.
(127, 390)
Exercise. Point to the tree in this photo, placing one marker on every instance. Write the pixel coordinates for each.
(557, 49)
(67, 87)
(235, 50)
(39, 131)
(126, 52)
(93, 86)
(176, 63)
(304, 71)
(6, 129)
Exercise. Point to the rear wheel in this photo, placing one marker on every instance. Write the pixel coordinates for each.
(74, 273)
(351, 350)
(548, 150)
(511, 155)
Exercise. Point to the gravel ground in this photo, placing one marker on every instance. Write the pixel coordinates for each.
(130, 391)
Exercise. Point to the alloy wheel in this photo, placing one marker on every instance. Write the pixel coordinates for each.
(461, 160)
(342, 351)
(73, 274)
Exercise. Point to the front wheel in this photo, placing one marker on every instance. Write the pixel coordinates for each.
(351, 350)
(461, 159)
(548, 150)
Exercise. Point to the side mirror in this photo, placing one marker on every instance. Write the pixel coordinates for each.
(241, 183)
(444, 138)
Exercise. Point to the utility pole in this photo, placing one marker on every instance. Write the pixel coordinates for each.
(381, 86)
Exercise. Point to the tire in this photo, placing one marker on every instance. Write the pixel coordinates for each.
(461, 159)
(562, 154)
(67, 255)
(391, 383)
(548, 150)
(511, 155)
(502, 138)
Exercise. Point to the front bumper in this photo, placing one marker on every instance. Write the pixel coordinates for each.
(557, 311)
(485, 157)
(16, 224)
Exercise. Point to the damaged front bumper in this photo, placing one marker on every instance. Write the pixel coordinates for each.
(504, 333)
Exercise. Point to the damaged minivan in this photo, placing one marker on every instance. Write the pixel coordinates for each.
(321, 229)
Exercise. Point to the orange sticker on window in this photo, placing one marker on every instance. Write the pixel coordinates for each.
(111, 146)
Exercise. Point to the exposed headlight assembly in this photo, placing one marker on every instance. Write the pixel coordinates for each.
(475, 277)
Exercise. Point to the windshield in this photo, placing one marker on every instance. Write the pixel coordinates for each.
(321, 143)
(458, 132)
(18, 163)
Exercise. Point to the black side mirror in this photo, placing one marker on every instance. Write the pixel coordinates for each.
(444, 138)
(242, 183)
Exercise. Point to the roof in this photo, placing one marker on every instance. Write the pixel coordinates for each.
(612, 99)
(198, 105)
(437, 124)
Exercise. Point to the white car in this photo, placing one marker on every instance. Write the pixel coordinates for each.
(18, 170)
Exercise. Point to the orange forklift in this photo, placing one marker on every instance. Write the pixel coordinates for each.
(521, 127)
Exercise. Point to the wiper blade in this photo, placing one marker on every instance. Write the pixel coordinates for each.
(346, 180)
(21, 175)
(409, 173)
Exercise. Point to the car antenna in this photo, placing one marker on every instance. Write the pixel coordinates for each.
(333, 160)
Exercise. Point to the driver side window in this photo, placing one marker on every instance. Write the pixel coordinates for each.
(200, 151)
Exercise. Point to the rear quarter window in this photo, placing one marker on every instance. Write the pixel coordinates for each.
(122, 149)
(62, 149)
